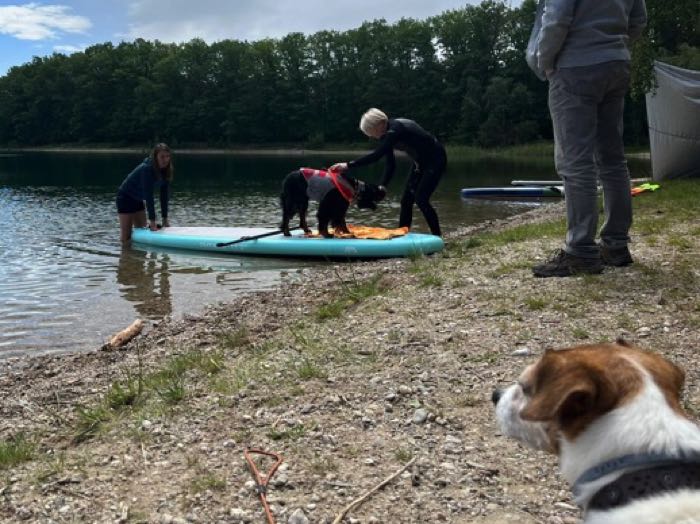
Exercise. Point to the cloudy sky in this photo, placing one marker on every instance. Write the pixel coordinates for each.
(40, 28)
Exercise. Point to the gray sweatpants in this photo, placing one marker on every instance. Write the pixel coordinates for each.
(586, 104)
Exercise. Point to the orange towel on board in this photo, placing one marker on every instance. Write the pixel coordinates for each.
(369, 232)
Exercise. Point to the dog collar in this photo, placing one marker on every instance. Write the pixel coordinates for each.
(643, 483)
(636, 461)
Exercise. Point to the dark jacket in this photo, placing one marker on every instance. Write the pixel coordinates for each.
(141, 184)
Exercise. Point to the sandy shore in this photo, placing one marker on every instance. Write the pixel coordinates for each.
(349, 373)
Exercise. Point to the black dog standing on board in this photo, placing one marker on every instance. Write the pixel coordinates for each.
(332, 190)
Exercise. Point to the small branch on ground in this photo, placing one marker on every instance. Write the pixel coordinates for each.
(379, 486)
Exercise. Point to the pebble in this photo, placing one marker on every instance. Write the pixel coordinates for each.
(644, 331)
(522, 352)
(420, 416)
(298, 517)
(239, 515)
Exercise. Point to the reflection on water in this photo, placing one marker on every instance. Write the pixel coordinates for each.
(144, 280)
(66, 284)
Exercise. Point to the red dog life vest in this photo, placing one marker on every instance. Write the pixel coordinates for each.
(321, 182)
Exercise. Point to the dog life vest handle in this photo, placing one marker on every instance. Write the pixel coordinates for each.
(260, 481)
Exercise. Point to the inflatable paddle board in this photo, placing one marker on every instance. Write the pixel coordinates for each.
(514, 192)
(277, 245)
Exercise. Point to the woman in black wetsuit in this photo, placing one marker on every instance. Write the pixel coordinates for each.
(428, 155)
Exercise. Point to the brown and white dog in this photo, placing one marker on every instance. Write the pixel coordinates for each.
(612, 413)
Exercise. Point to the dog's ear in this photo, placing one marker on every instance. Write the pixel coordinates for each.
(568, 393)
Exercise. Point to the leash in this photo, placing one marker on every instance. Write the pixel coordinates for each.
(260, 480)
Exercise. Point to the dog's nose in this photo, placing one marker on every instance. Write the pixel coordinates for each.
(496, 395)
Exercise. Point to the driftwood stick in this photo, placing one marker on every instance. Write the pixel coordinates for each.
(364, 497)
(125, 335)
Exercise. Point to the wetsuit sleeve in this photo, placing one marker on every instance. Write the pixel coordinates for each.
(147, 185)
(385, 146)
(556, 20)
(164, 199)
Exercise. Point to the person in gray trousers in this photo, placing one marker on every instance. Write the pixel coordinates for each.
(582, 48)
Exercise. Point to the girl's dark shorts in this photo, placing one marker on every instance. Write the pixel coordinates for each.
(126, 204)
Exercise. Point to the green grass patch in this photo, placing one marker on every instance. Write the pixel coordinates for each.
(53, 467)
(675, 201)
(403, 455)
(120, 395)
(680, 241)
(510, 267)
(15, 450)
(461, 248)
(173, 391)
(352, 293)
(237, 339)
(431, 280)
(552, 229)
(488, 358)
(580, 333)
(427, 271)
(536, 303)
(322, 465)
(206, 482)
(307, 369)
(543, 151)
(168, 386)
(293, 433)
(90, 421)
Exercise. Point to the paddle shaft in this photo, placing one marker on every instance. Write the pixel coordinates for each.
(254, 237)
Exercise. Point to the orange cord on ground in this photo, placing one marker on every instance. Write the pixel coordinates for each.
(261, 480)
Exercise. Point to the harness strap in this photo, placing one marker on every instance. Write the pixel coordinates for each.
(638, 461)
(341, 183)
(644, 483)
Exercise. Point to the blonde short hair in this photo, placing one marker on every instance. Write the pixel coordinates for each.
(372, 119)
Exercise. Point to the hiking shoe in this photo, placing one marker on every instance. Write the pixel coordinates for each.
(616, 256)
(562, 264)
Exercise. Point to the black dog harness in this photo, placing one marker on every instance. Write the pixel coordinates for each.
(653, 474)
(645, 483)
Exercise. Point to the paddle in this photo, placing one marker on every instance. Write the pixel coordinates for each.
(254, 237)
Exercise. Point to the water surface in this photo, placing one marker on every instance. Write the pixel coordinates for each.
(66, 284)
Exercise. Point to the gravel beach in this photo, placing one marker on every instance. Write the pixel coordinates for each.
(349, 373)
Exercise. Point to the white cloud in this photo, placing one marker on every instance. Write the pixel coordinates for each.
(38, 22)
(68, 49)
(211, 20)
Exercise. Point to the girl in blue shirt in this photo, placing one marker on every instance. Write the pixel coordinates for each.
(154, 173)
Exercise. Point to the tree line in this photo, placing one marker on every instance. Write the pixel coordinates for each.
(461, 74)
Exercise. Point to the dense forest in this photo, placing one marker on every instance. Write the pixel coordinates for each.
(461, 74)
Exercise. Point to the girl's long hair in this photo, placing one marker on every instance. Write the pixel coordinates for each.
(167, 173)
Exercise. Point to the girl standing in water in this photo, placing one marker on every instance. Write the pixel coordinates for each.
(154, 173)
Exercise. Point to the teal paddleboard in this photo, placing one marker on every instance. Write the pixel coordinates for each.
(298, 245)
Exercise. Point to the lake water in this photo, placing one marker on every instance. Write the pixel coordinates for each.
(67, 285)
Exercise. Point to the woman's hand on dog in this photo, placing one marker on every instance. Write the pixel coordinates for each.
(341, 167)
